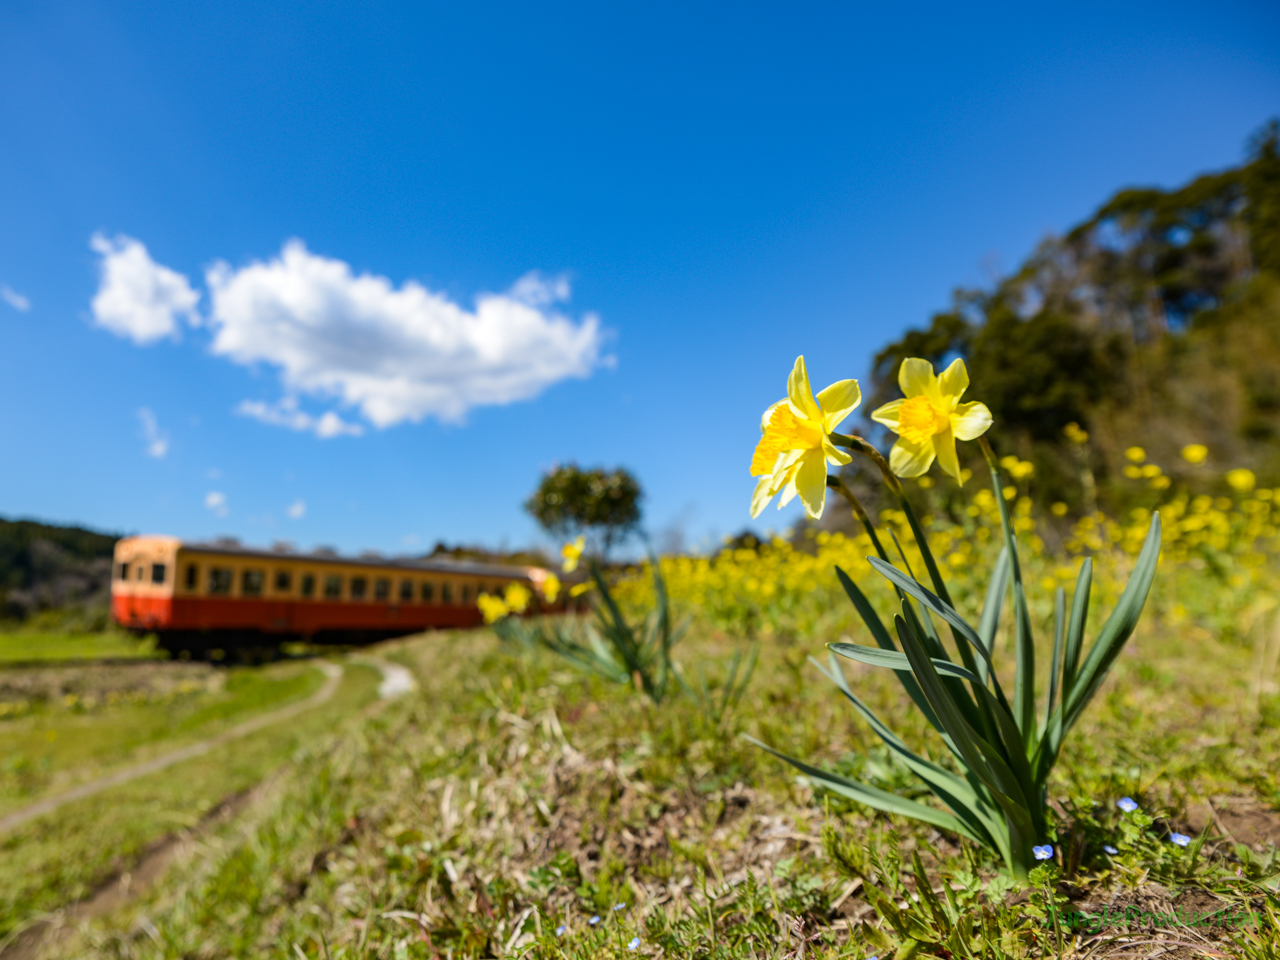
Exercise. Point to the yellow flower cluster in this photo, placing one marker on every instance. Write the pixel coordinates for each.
(1219, 556)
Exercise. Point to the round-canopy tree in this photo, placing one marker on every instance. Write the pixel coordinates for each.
(604, 506)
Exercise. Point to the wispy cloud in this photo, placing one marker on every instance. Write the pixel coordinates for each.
(157, 440)
(217, 502)
(297, 510)
(285, 413)
(14, 299)
(396, 353)
(137, 297)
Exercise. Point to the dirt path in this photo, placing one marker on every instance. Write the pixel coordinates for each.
(333, 674)
(33, 940)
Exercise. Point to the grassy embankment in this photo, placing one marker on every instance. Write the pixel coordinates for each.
(513, 796)
(67, 725)
(36, 646)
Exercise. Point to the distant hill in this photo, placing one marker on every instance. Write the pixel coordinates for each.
(46, 567)
(1155, 323)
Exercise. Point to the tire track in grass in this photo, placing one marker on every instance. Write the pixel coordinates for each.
(333, 674)
(37, 937)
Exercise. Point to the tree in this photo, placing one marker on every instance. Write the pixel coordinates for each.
(571, 501)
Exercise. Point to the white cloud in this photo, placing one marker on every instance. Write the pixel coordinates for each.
(14, 299)
(286, 414)
(157, 439)
(397, 354)
(297, 510)
(217, 502)
(137, 297)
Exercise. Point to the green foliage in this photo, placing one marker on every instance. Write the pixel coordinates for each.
(1004, 752)
(570, 501)
(43, 566)
(1155, 323)
(611, 647)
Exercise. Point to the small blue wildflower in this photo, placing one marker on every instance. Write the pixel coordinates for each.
(619, 906)
(1127, 804)
(1181, 839)
(1110, 849)
(634, 944)
(560, 930)
(1043, 853)
(593, 921)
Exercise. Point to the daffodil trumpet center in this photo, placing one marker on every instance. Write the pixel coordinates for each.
(921, 419)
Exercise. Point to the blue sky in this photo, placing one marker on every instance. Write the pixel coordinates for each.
(526, 234)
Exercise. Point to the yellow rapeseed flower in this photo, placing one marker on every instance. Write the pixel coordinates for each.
(1075, 433)
(1195, 453)
(930, 418)
(572, 553)
(1136, 454)
(1241, 480)
(792, 455)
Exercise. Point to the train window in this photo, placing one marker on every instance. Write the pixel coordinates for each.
(193, 576)
(446, 593)
(124, 571)
(466, 594)
(220, 580)
(308, 585)
(251, 583)
(406, 591)
(157, 573)
(284, 581)
(333, 588)
(141, 572)
(382, 589)
(359, 585)
(428, 593)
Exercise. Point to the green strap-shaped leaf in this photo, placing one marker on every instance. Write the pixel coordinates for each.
(991, 607)
(969, 802)
(1055, 665)
(881, 637)
(947, 612)
(981, 757)
(1075, 628)
(876, 657)
(1119, 626)
(1024, 687)
(875, 797)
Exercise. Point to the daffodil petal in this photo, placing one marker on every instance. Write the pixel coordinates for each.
(944, 446)
(954, 380)
(916, 378)
(811, 483)
(888, 414)
(764, 419)
(970, 420)
(800, 394)
(761, 496)
(837, 402)
(908, 459)
(788, 492)
(834, 454)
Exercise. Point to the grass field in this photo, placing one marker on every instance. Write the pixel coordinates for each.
(65, 855)
(64, 725)
(24, 646)
(512, 800)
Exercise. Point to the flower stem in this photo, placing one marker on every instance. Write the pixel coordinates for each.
(840, 487)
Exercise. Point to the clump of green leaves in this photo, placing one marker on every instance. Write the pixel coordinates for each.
(1005, 749)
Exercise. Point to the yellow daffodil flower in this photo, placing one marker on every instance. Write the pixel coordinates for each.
(792, 455)
(930, 418)
(572, 553)
(551, 587)
(517, 597)
(492, 608)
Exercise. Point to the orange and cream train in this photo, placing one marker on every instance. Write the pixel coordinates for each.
(205, 596)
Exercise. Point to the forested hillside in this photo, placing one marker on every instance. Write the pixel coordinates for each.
(1153, 324)
(45, 567)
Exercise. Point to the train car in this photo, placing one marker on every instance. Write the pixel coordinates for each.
(221, 595)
